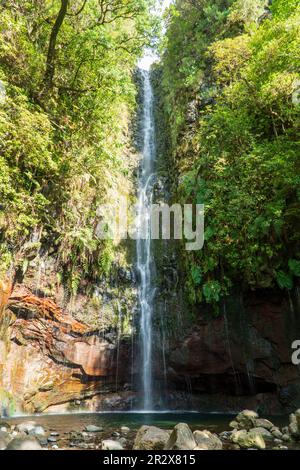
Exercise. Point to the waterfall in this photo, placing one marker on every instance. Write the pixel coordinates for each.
(145, 261)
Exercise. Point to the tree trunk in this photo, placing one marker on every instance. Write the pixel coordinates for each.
(50, 64)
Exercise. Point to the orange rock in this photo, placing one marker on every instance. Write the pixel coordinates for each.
(5, 292)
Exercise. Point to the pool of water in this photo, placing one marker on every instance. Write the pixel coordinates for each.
(134, 420)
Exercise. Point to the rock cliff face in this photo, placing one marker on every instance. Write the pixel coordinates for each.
(49, 361)
(246, 352)
(48, 358)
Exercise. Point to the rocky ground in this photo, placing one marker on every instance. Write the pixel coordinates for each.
(247, 431)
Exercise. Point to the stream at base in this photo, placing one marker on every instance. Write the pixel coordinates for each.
(62, 423)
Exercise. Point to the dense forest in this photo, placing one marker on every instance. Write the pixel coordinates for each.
(230, 99)
(67, 99)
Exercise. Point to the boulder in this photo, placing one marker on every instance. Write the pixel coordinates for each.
(277, 434)
(248, 439)
(267, 436)
(111, 445)
(24, 443)
(294, 428)
(37, 431)
(246, 419)
(234, 425)
(181, 438)
(205, 440)
(264, 423)
(151, 438)
(4, 439)
(26, 427)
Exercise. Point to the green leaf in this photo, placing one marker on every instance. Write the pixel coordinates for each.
(294, 266)
(196, 275)
(212, 291)
(284, 280)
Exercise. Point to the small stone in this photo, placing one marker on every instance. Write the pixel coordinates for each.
(92, 428)
(115, 434)
(225, 435)
(286, 438)
(123, 441)
(111, 445)
(277, 441)
(52, 439)
(125, 430)
(43, 442)
(55, 446)
(54, 434)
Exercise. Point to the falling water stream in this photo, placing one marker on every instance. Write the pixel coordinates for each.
(145, 261)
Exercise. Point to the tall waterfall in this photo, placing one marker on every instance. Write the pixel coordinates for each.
(145, 262)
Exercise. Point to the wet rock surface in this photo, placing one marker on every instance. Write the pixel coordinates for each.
(48, 358)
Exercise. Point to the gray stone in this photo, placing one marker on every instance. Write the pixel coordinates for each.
(37, 431)
(111, 445)
(264, 423)
(26, 427)
(181, 438)
(276, 433)
(92, 428)
(24, 443)
(151, 438)
(123, 441)
(267, 436)
(52, 439)
(205, 440)
(125, 430)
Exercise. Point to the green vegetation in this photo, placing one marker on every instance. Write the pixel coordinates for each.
(230, 77)
(67, 96)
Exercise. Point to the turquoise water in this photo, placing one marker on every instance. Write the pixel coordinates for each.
(112, 421)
